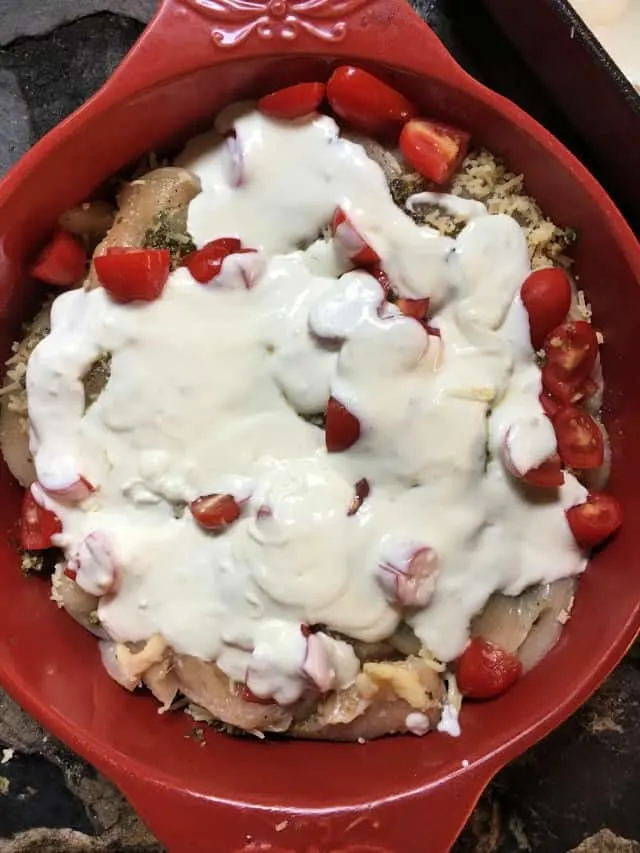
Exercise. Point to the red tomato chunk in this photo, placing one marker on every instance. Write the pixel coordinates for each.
(434, 149)
(366, 102)
(595, 520)
(580, 440)
(37, 525)
(62, 262)
(342, 429)
(215, 512)
(546, 294)
(293, 102)
(485, 670)
(129, 275)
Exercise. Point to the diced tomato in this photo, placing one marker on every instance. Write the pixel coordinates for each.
(485, 670)
(366, 102)
(353, 243)
(129, 274)
(74, 493)
(572, 349)
(546, 294)
(565, 390)
(37, 524)
(342, 429)
(549, 475)
(551, 407)
(63, 261)
(416, 308)
(215, 512)
(70, 573)
(383, 279)
(434, 149)
(228, 244)
(362, 493)
(249, 696)
(595, 520)
(580, 440)
(293, 102)
(204, 264)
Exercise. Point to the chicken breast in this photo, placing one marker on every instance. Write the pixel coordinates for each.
(166, 191)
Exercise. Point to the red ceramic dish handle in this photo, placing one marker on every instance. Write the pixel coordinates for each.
(186, 35)
(428, 820)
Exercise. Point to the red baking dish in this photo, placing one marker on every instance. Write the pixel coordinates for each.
(405, 795)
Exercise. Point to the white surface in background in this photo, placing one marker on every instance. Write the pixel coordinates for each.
(616, 25)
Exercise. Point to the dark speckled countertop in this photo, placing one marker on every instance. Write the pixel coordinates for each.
(579, 790)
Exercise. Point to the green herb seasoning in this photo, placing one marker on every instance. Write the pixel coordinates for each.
(166, 233)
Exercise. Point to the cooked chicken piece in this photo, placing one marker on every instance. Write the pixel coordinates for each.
(80, 605)
(206, 685)
(92, 219)
(379, 703)
(162, 681)
(136, 661)
(167, 190)
(528, 625)
(14, 423)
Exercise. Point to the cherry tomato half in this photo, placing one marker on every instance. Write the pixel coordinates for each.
(37, 525)
(204, 264)
(62, 262)
(366, 102)
(129, 274)
(546, 294)
(595, 520)
(572, 349)
(382, 278)
(215, 512)
(352, 242)
(416, 308)
(548, 475)
(342, 429)
(485, 670)
(434, 149)
(580, 440)
(293, 102)
(248, 695)
(566, 390)
(550, 405)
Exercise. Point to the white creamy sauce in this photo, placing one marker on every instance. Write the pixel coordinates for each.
(417, 723)
(449, 723)
(207, 388)
(616, 25)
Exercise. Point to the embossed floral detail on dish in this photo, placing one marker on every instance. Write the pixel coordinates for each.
(236, 20)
